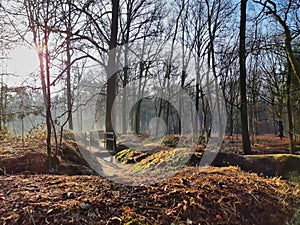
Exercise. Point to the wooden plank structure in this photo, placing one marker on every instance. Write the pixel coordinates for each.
(110, 136)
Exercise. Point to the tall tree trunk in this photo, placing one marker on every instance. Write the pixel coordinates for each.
(68, 49)
(50, 123)
(212, 63)
(137, 127)
(141, 87)
(231, 126)
(112, 74)
(124, 97)
(41, 32)
(292, 59)
(47, 103)
(243, 80)
(126, 68)
(197, 99)
(289, 110)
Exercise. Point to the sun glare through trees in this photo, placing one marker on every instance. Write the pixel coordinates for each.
(172, 111)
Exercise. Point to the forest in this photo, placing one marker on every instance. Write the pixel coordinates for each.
(150, 112)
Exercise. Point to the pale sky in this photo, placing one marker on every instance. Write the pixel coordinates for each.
(22, 62)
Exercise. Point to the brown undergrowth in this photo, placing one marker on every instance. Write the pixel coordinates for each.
(34, 190)
(213, 196)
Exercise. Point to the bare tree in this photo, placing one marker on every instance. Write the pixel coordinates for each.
(289, 110)
(138, 26)
(68, 24)
(40, 17)
(243, 79)
(290, 9)
(112, 73)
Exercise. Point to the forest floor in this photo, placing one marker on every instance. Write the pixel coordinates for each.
(261, 144)
(36, 190)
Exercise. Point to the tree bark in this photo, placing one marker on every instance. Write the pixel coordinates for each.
(68, 50)
(46, 102)
(289, 110)
(112, 74)
(126, 68)
(243, 80)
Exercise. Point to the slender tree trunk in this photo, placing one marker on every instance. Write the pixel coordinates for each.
(137, 127)
(291, 57)
(41, 38)
(289, 110)
(204, 112)
(50, 122)
(69, 92)
(45, 95)
(288, 47)
(161, 107)
(197, 98)
(125, 80)
(167, 105)
(211, 29)
(124, 97)
(112, 74)
(243, 80)
(231, 121)
(138, 117)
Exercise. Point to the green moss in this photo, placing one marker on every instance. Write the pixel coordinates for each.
(274, 156)
(124, 154)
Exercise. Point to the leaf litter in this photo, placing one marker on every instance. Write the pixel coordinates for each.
(29, 194)
(224, 195)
